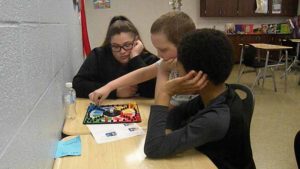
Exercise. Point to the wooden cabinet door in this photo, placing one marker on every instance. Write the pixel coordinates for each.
(289, 7)
(218, 8)
(213, 7)
(224, 8)
(246, 7)
(230, 8)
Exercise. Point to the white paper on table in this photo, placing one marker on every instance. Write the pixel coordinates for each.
(111, 132)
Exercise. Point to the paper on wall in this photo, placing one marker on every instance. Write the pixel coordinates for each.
(261, 6)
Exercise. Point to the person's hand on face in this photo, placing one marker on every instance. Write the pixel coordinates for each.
(168, 65)
(188, 84)
(137, 49)
(127, 91)
(99, 95)
(125, 46)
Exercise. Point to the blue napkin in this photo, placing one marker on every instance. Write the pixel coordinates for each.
(70, 147)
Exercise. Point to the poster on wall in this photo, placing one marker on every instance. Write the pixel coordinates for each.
(261, 6)
(76, 5)
(101, 4)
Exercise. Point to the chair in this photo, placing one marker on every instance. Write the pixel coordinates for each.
(288, 42)
(293, 54)
(297, 148)
(249, 59)
(248, 103)
(248, 100)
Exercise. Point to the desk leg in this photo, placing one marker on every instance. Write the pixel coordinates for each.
(286, 70)
(295, 60)
(240, 66)
(265, 70)
(297, 52)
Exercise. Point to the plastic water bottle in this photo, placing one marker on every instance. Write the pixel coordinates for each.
(70, 101)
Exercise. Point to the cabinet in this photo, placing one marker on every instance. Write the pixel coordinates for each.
(219, 7)
(246, 8)
(254, 38)
(289, 7)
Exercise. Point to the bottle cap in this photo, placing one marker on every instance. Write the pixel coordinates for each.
(69, 84)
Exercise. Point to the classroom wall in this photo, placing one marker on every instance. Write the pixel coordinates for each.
(298, 7)
(40, 49)
(144, 12)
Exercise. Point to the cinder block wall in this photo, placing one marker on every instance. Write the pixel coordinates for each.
(40, 49)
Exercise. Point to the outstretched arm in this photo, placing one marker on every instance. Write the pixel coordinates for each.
(132, 78)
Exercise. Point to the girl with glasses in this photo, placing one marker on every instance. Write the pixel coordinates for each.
(121, 52)
(166, 33)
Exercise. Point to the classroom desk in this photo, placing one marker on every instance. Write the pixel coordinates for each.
(76, 127)
(128, 154)
(297, 54)
(268, 48)
(295, 59)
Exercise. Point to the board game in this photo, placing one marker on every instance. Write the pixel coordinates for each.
(110, 114)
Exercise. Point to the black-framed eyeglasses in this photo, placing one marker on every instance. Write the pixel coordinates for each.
(127, 46)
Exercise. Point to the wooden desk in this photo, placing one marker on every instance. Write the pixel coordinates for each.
(296, 57)
(268, 48)
(297, 54)
(76, 127)
(128, 154)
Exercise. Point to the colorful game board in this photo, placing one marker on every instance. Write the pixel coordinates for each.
(106, 114)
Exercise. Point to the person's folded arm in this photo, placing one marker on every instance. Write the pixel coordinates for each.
(207, 127)
(180, 113)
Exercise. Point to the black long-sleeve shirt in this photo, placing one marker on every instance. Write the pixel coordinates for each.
(100, 67)
(219, 130)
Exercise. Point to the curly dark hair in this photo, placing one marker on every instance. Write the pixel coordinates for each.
(207, 50)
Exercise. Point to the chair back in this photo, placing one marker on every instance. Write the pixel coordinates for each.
(248, 100)
(297, 148)
(288, 42)
(249, 55)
